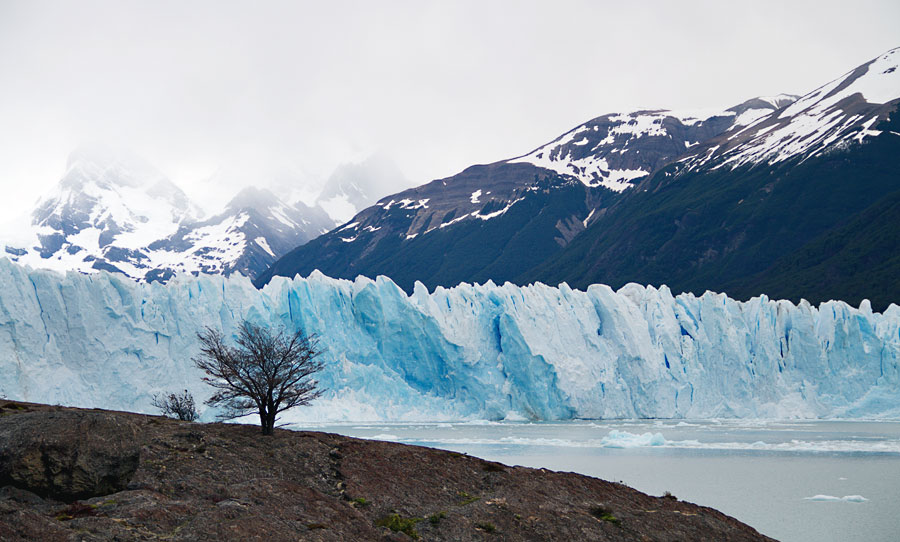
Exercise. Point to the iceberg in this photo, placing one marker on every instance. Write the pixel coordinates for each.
(832, 498)
(624, 439)
(469, 352)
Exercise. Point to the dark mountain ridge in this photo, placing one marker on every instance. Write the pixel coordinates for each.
(726, 202)
(499, 220)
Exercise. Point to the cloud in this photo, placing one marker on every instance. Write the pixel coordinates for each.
(199, 86)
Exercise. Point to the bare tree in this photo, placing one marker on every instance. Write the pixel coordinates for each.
(266, 372)
(176, 405)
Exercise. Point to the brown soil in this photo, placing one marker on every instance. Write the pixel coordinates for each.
(71, 474)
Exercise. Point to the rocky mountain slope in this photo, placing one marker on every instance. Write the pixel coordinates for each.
(499, 220)
(725, 202)
(90, 475)
(117, 212)
(798, 204)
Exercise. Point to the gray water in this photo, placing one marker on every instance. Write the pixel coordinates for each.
(788, 480)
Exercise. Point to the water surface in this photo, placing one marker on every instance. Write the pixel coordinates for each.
(807, 481)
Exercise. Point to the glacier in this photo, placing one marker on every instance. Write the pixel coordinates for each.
(469, 352)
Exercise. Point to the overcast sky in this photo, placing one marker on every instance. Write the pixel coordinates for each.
(249, 86)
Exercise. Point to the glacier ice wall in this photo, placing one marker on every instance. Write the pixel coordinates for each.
(482, 351)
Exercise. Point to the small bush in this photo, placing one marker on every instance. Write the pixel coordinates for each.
(12, 408)
(360, 501)
(176, 405)
(466, 498)
(486, 527)
(400, 524)
(434, 519)
(76, 510)
(668, 495)
(603, 514)
(493, 467)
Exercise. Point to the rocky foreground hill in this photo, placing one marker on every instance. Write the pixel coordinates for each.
(72, 474)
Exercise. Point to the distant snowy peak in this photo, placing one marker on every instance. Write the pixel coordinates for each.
(840, 113)
(254, 230)
(117, 194)
(615, 151)
(354, 186)
(106, 203)
(116, 212)
(282, 216)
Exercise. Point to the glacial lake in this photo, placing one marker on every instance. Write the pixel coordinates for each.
(803, 481)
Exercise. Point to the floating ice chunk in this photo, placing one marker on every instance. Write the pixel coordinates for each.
(624, 439)
(831, 498)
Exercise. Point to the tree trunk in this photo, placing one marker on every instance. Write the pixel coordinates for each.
(262, 420)
(268, 422)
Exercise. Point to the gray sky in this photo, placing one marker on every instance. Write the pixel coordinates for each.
(249, 86)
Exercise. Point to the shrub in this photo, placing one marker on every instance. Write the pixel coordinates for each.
(176, 405)
(400, 524)
(466, 498)
(76, 510)
(486, 527)
(603, 514)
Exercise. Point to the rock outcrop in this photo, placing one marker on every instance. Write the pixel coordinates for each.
(150, 478)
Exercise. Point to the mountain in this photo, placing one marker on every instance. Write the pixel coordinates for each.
(616, 150)
(114, 211)
(255, 228)
(729, 201)
(355, 186)
(829, 119)
(468, 352)
(800, 204)
(499, 220)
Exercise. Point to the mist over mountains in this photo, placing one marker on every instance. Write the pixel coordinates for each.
(112, 210)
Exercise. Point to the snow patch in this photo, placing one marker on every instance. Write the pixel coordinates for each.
(261, 241)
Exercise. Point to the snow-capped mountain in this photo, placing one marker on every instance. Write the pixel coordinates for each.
(830, 118)
(618, 150)
(255, 228)
(801, 203)
(553, 193)
(116, 212)
(354, 186)
(729, 200)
